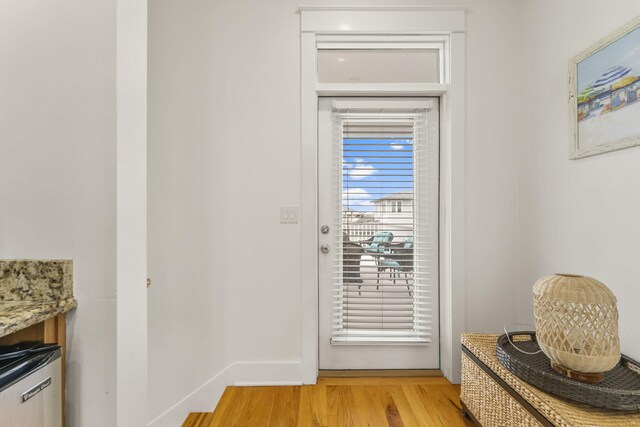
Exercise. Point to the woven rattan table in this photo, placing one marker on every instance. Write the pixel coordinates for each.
(492, 396)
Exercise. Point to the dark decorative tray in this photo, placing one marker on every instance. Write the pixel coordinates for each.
(620, 388)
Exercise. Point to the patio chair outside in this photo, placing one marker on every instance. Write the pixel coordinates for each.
(398, 261)
(351, 255)
(378, 242)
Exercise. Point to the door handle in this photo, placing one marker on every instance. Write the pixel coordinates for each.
(324, 249)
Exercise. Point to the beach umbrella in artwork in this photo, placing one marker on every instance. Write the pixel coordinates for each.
(586, 94)
(612, 75)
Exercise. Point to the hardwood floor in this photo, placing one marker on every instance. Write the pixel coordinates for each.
(339, 402)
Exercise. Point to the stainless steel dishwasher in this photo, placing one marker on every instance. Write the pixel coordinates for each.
(30, 389)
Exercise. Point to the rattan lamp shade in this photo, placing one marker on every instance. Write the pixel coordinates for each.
(577, 322)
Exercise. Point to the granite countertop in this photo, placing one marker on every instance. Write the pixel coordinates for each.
(14, 317)
(32, 291)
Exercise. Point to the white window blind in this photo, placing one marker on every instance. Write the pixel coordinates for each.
(385, 271)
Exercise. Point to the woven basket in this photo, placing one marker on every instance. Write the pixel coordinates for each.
(577, 322)
(478, 394)
(489, 403)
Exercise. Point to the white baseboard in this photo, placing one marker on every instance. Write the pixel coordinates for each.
(206, 397)
(203, 399)
(267, 373)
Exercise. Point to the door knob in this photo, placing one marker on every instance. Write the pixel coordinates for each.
(324, 249)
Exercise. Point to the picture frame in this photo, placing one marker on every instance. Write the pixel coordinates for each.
(604, 94)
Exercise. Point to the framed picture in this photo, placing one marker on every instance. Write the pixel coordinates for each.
(604, 94)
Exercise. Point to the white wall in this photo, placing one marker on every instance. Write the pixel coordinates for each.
(58, 173)
(188, 227)
(131, 216)
(491, 206)
(224, 154)
(575, 216)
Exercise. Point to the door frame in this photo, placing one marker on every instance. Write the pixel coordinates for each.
(445, 24)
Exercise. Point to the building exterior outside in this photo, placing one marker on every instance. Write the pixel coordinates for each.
(393, 212)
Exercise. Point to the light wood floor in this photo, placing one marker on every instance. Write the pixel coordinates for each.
(339, 402)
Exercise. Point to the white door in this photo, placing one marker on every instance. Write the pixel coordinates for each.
(378, 212)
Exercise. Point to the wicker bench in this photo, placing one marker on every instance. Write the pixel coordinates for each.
(492, 396)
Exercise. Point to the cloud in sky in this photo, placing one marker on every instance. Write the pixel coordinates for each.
(362, 171)
(397, 144)
(359, 170)
(353, 197)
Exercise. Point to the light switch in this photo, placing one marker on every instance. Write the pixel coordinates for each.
(288, 214)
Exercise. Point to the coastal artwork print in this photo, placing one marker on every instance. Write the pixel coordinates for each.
(605, 94)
